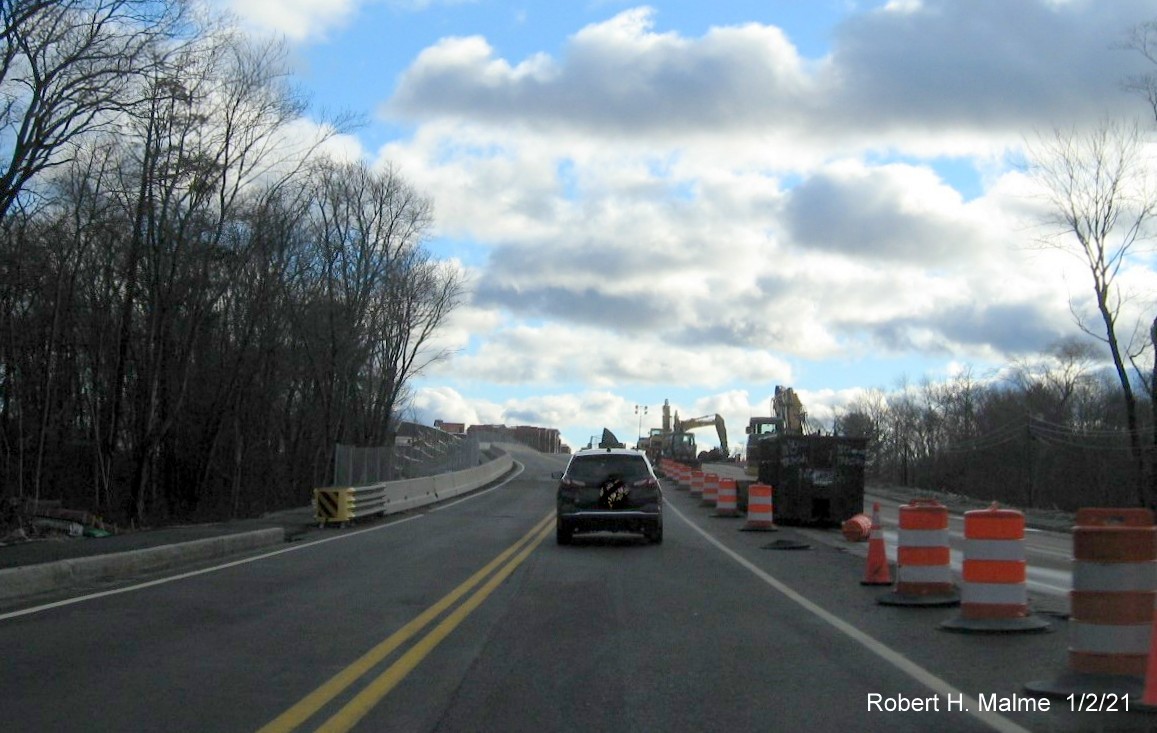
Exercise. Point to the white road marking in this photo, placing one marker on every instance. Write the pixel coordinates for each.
(905, 665)
(294, 548)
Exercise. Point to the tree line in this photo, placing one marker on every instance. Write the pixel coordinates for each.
(1049, 433)
(196, 305)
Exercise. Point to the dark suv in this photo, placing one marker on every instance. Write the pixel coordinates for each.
(609, 490)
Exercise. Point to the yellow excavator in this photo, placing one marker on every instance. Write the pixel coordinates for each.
(789, 419)
(675, 440)
(714, 455)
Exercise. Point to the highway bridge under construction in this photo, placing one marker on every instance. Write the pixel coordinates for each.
(457, 613)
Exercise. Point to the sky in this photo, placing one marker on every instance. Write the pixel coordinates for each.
(695, 202)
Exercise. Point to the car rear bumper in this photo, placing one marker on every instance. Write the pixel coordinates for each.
(603, 521)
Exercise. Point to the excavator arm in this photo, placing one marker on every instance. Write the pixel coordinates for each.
(682, 426)
(787, 407)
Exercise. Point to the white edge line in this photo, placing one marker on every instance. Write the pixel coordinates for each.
(202, 571)
(918, 673)
(243, 561)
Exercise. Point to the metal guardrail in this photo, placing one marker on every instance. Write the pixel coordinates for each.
(342, 506)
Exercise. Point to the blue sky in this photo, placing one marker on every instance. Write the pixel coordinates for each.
(698, 201)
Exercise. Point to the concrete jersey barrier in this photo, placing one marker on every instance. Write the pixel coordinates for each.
(391, 497)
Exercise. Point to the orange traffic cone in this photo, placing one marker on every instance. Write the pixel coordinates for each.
(877, 571)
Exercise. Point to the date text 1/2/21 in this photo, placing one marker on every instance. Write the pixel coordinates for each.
(1102, 702)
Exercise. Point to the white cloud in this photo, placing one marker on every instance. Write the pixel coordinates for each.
(556, 354)
(719, 212)
(698, 253)
(941, 77)
(312, 19)
(296, 19)
(618, 77)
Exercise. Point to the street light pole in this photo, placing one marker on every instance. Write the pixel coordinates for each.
(640, 414)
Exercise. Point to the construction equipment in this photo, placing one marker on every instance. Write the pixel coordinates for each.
(651, 444)
(675, 440)
(790, 418)
(715, 454)
(787, 407)
(679, 447)
(818, 479)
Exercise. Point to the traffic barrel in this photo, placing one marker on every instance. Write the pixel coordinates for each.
(760, 512)
(876, 572)
(995, 595)
(857, 528)
(710, 490)
(697, 483)
(1111, 604)
(923, 558)
(727, 504)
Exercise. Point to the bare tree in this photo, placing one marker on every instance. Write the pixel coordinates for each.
(203, 144)
(373, 297)
(1099, 211)
(65, 67)
(1052, 384)
(1143, 40)
(195, 308)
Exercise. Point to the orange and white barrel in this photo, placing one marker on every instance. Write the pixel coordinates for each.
(697, 478)
(1110, 605)
(1114, 591)
(994, 595)
(760, 512)
(923, 557)
(727, 504)
(994, 566)
(710, 490)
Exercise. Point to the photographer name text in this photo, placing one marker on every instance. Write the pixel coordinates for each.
(959, 702)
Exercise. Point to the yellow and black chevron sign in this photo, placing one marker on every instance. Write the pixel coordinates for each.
(332, 505)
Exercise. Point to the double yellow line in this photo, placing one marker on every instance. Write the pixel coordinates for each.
(361, 704)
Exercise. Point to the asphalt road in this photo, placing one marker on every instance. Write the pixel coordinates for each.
(468, 617)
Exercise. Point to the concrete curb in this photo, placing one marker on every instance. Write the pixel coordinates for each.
(23, 582)
(30, 580)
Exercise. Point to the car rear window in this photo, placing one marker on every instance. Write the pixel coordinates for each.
(595, 469)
